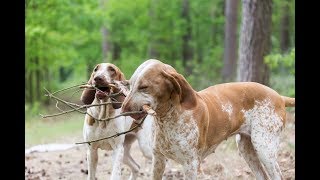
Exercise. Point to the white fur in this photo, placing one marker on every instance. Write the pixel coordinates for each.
(263, 125)
(228, 109)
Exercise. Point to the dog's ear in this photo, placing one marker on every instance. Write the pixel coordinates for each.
(119, 98)
(119, 77)
(185, 92)
(88, 95)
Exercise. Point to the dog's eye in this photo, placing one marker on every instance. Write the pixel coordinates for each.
(111, 69)
(95, 69)
(142, 87)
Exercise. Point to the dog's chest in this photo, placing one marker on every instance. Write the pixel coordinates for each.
(96, 131)
(178, 140)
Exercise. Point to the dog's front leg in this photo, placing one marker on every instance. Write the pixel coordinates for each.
(117, 157)
(191, 169)
(158, 165)
(92, 161)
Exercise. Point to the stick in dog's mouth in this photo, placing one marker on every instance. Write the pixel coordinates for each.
(149, 110)
(101, 91)
(90, 86)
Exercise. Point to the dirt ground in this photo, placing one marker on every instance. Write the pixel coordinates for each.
(225, 163)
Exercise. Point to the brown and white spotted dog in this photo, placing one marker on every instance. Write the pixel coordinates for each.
(191, 124)
(102, 75)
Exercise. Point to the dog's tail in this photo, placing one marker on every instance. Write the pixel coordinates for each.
(289, 102)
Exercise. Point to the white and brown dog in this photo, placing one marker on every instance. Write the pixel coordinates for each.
(191, 124)
(102, 75)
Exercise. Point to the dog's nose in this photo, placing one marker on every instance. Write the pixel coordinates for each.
(98, 79)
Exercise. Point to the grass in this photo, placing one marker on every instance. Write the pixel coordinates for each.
(63, 129)
(59, 129)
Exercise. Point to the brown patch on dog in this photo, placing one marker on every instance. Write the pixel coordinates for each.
(181, 87)
(90, 120)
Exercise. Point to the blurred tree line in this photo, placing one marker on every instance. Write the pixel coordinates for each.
(64, 39)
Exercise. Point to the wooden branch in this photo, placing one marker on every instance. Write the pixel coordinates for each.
(75, 93)
(122, 114)
(117, 134)
(78, 108)
(68, 88)
(119, 85)
(58, 106)
(149, 110)
(92, 86)
(63, 101)
(116, 94)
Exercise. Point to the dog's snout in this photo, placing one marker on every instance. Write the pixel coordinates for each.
(98, 79)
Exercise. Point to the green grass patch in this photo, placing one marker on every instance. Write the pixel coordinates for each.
(42, 131)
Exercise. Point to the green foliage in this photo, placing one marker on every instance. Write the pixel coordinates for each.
(277, 61)
(283, 72)
(283, 84)
(66, 34)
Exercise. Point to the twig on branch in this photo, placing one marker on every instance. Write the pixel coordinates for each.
(68, 88)
(117, 134)
(58, 106)
(75, 93)
(92, 86)
(116, 94)
(149, 110)
(122, 114)
(63, 101)
(78, 108)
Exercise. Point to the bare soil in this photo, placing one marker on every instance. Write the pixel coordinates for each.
(225, 163)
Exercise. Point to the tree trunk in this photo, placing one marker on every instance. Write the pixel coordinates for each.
(284, 28)
(38, 79)
(104, 32)
(47, 78)
(187, 51)
(255, 40)
(105, 46)
(116, 51)
(30, 86)
(90, 67)
(230, 40)
(152, 50)
(26, 95)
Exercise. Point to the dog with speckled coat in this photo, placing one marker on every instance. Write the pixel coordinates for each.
(190, 124)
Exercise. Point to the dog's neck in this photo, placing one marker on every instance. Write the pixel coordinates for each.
(168, 113)
(102, 111)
